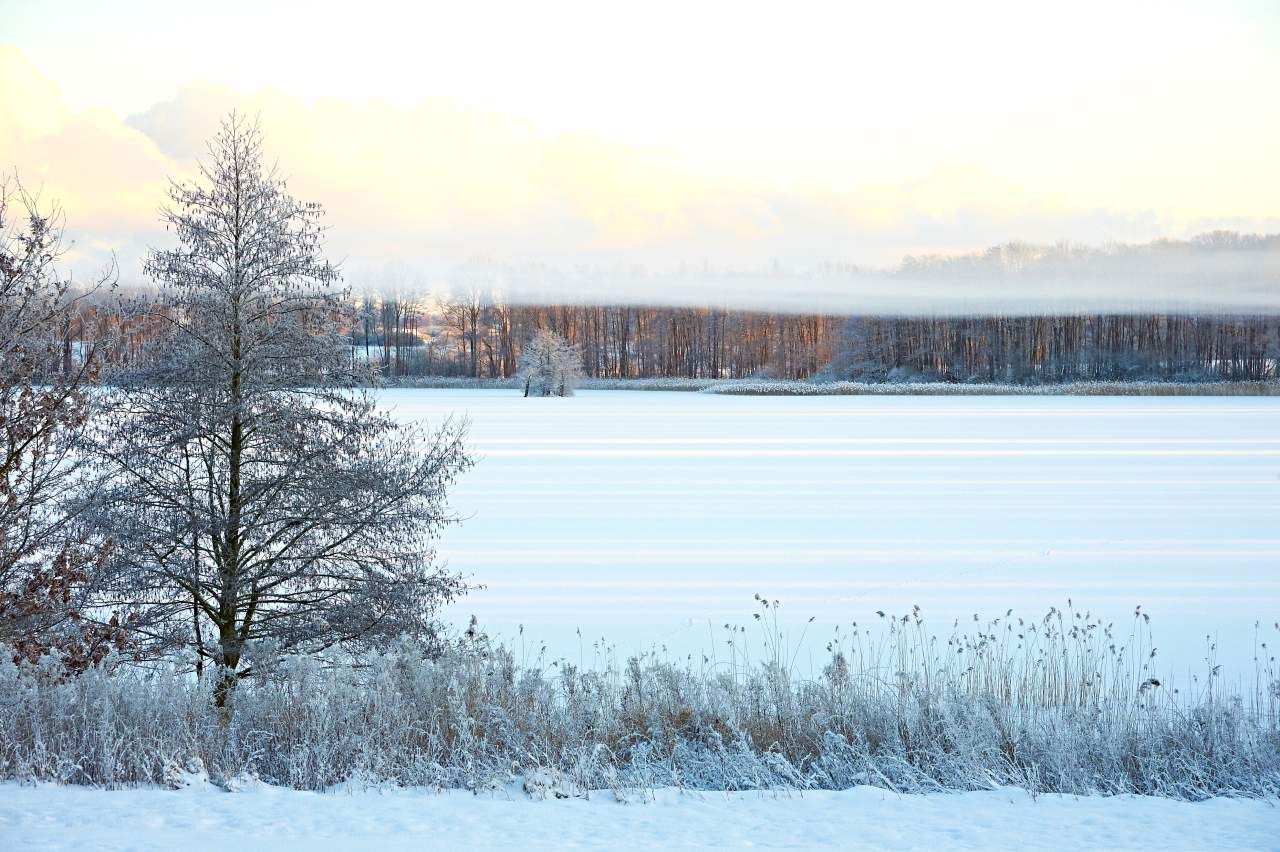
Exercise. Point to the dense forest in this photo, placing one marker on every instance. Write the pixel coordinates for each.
(1013, 313)
(1040, 349)
(482, 337)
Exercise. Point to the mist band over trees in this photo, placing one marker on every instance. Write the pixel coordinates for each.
(1196, 310)
(978, 318)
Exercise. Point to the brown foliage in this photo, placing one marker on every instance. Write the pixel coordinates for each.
(43, 611)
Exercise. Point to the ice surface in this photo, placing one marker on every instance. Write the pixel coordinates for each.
(643, 517)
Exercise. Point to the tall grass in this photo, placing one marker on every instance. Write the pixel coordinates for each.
(1064, 703)
(752, 387)
(772, 387)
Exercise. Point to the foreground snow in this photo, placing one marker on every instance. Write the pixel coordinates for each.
(262, 817)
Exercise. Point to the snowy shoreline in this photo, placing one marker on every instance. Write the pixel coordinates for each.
(49, 817)
(815, 387)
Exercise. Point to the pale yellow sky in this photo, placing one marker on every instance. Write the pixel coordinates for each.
(733, 134)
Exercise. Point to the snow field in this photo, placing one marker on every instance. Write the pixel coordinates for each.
(47, 818)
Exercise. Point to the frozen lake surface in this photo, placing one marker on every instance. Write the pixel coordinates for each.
(646, 517)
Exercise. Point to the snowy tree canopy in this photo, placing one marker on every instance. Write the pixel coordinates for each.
(549, 366)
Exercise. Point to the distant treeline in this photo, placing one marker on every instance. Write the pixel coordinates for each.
(1040, 349)
(482, 338)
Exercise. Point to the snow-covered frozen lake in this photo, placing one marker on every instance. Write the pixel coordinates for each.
(646, 517)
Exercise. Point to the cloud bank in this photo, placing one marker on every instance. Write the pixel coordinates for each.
(439, 196)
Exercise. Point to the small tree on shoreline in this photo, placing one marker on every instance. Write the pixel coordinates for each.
(549, 366)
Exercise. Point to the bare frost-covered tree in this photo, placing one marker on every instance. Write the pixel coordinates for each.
(549, 366)
(45, 404)
(465, 312)
(255, 496)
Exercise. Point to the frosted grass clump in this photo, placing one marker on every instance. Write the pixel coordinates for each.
(1063, 703)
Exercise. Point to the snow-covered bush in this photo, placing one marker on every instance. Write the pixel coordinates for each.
(1043, 704)
(549, 366)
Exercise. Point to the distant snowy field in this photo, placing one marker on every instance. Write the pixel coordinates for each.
(642, 517)
(268, 818)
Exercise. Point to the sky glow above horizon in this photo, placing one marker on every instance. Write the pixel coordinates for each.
(666, 136)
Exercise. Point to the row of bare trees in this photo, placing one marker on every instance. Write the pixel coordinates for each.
(1046, 349)
(482, 336)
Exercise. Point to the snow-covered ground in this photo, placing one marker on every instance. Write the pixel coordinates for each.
(645, 517)
(268, 818)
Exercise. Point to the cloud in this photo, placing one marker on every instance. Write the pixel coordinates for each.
(428, 187)
(107, 178)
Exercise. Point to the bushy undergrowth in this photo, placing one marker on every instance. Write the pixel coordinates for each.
(1061, 704)
(751, 387)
